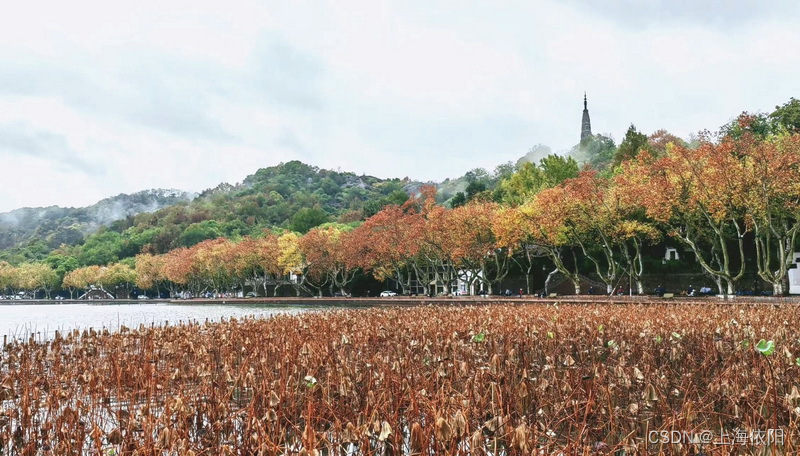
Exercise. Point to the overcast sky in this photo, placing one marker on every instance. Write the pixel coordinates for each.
(98, 99)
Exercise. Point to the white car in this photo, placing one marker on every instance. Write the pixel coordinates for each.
(142, 297)
(388, 294)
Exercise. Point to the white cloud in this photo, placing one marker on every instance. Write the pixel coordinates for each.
(98, 98)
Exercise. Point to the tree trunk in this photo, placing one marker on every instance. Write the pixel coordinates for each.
(399, 277)
(548, 279)
(528, 282)
(718, 281)
(729, 288)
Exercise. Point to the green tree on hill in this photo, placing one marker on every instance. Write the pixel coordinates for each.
(530, 179)
(630, 146)
(596, 151)
(199, 232)
(307, 218)
(787, 116)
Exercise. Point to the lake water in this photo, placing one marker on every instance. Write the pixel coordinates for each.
(22, 320)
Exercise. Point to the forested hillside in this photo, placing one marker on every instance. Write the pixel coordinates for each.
(291, 195)
(50, 227)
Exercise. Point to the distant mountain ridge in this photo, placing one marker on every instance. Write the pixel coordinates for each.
(68, 225)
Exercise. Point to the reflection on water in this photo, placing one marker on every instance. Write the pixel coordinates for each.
(22, 320)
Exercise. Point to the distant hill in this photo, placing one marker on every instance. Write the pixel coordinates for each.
(66, 225)
(291, 195)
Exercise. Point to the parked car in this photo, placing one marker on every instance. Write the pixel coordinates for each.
(142, 297)
(388, 294)
(251, 295)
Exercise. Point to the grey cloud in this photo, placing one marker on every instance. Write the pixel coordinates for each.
(173, 103)
(170, 93)
(16, 138)
(157, 92)
(287, 76)
(289, 140)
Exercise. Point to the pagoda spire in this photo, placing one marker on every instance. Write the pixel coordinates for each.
(586, 124)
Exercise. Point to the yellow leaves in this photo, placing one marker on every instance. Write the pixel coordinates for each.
(508, 226)
(290, 258)
(629, 229)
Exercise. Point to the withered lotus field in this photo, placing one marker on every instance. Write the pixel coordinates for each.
(581, 378)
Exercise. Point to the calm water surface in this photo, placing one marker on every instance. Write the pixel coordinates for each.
(22, 320)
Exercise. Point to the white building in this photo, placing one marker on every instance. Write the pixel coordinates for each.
(794, 275)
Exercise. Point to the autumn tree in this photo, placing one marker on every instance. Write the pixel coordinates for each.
(475, 250)
(512, 232)
(697, 194)
(434, 242)
(579, 208)
(259, 260)
(83, 278)
(290, 259)
(657, 142)
(329, 257)
(388, 244)
(33, 277)
(7, 276)
(533, 224)
(213, 264)
(179, 270)
(149, 270)
(116, 277)
(771, 169)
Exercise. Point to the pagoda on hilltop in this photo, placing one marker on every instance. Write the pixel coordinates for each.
(586, 124)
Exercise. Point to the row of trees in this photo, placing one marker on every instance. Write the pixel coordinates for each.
(734, 202)
(27, 278)
(723, 200)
